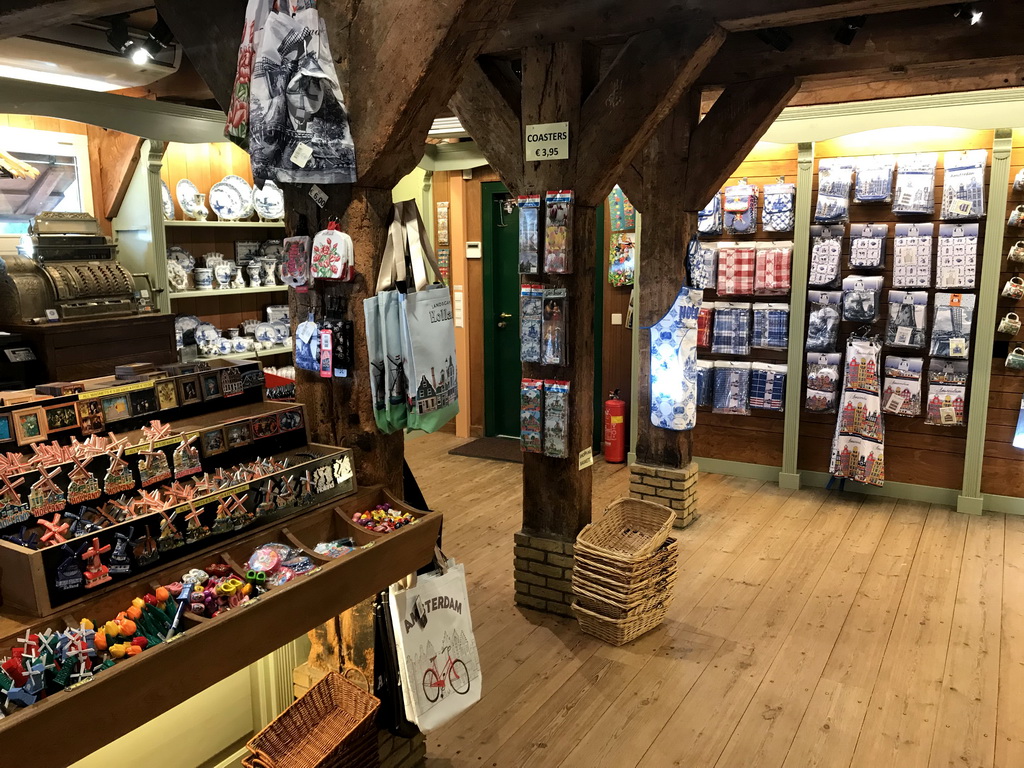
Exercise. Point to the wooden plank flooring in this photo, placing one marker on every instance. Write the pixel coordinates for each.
(808, 629)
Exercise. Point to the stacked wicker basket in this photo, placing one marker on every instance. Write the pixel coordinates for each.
(625, 571)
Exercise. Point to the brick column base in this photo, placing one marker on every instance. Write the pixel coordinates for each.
(396, 752)
(543, 573)
(675, 488)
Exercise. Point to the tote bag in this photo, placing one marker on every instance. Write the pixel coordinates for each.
(437, 653)
(428, 329)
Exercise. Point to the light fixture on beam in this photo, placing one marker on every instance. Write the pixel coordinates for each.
(968, 12)
(849, 29)
(776, 37)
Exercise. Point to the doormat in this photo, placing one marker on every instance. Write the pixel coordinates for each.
(494, 448)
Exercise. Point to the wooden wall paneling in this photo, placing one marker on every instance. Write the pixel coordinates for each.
(758, 438)
(1001, 468)
(915, 452)
(457, 237)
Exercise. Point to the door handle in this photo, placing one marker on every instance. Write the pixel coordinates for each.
(504, 315)
(502, 323)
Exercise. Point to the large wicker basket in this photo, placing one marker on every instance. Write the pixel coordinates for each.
(630, 529)
(618, 631)
(331, 724)
(660, 565)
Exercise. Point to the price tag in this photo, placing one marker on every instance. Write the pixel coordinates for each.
(961, 207)
(302, 154)
(903, 333)
(586, 458)
(947, 415)
(957, 347)
(894, 404)
(547, 141)
(318, 195)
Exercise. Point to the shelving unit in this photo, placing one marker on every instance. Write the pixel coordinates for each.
(228, 292)
(225, 224)
(279, 350)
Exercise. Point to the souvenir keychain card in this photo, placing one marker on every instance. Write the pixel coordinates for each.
(531, 320)
(553, 332)
(912, 256)
(531, 416)
(557, 246)
(947, 392)
(556, 419)
(529, 234)
(957, 261)
(902, 393)
(867, 246)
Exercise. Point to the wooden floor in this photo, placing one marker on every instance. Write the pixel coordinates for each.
(808, 629)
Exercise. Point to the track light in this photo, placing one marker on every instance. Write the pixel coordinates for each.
(139, 55)
(849, 29)
(118, 36)
(967, 12)
(777, 38)
(139, 52)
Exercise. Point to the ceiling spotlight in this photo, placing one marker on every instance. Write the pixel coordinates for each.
(975, 17)
(159, 36)
(967, 12)
(849, 29)
(118, 36)
(139, 54)
(777, 38)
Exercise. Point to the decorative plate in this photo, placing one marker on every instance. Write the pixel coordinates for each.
(226, 201)
(272, 249)
(224, 346)
(281, 331)
(183, 257)
(265, 332)
(177, 277)
(186, 192)
(167, 200)
(244, 190)
(269, 201)
(186, 323)
(206, 332)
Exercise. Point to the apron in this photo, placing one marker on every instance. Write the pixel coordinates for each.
(674, 363)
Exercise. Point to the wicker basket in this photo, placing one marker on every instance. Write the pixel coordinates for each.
(630, 529)
(612, 579)
(665, 558)
(626, 597)
(331, 724)
(613, 609)
(618, 631)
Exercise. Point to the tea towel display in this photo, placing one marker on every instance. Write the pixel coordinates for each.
(822, 382)
(963, 186)
(912, 256)
(772, 269)
(947, 392)
(858, 447)
(867, 246)
(732, 388)
(915, 183)
(771, 326)
(736, 266)
(674, 363)
(731, 334)
(767, 386)
(298, 123)
(902, 393)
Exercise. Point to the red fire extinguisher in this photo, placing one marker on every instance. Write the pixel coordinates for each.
(615, 429)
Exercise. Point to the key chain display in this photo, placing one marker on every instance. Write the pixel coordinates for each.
(556, 419)
(529, 234)
(558, 222)
(553, 327)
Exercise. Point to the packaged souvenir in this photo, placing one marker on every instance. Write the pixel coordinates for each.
(767, 386)
(295, 269)
(531, 322)
(553, 330)
(867, 246)
(906, 326)
(902, 393)
(531, 410)
(332, 257)
(963, 185)
(822, 382)
(951, 326)
(947, 393)
(835, 178)
(915, 183)
(732, 388)
(621, 213)
(771, 326)
(621, 253)
(777, 215)
(858, 450)
(702, 263)
(556, 418)
(731, 335)
(826, 249)
(861, 297)
(874, 179)
(772, 269)
(957, 260)
(705, 382)
(704, 320)
(912, 256)
(529, 234)
(307, 345)
(736, 264)
(741, 209)
(709, 219)
(557, 245)
(823, 320)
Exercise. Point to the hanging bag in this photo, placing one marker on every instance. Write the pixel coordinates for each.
(332, 255)
(237, 126)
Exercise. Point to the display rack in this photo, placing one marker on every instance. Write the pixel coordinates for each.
(173, 224)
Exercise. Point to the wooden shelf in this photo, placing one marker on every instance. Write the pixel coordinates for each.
(227, 292)
(279, 350)
(161, 677)
(224, 224)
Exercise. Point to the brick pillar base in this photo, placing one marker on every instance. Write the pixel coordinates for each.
(675, 488)
(543, 573)
(396, 752)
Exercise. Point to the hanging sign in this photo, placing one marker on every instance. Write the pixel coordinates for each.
(547, 141)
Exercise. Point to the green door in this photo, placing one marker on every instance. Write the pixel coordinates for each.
(502, 367)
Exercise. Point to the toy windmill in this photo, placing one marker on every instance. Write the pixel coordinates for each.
(120, 557)
(9, 489)
(170, 537)
(195, 530)
(156, 431)
(80, 525)
(153, 468)
(55, 530)
(234, 508)
(266, 499)
(96, 572)
(186, 457)
(122, 509)
(146, 550)
(69, 570)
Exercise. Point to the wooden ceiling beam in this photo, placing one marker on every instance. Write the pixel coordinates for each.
(22, 17)
(491, 115)
(116, 155)
(540, 22)
(728, 132)
(642, 86)
(889, 44)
